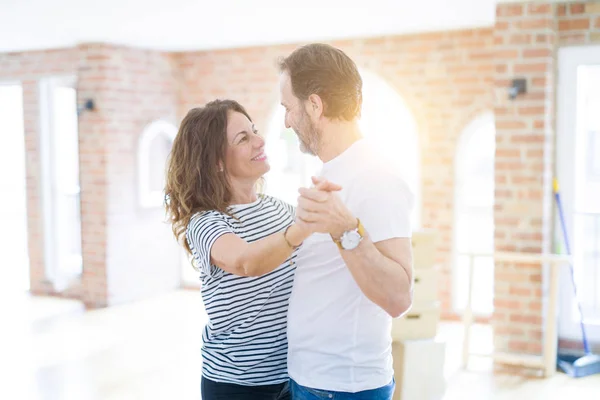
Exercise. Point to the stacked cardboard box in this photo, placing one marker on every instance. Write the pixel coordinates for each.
(419, 369)
(418, 357)
(422, 319)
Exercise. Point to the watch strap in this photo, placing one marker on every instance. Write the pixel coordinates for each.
(360, 229)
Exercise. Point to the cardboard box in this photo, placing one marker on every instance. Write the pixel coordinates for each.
(419, 369)
(418, 323)
(423, 247)
(425, 289)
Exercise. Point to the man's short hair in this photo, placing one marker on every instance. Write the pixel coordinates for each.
(328, 72)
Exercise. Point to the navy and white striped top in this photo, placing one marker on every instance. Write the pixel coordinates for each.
(244, 341)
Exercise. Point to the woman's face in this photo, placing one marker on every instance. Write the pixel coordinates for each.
(245, 158)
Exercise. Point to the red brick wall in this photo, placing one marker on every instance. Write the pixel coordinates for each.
(128, 253)
(527, 37)
(445, 79)
(578, 23)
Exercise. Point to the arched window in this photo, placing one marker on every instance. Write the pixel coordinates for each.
(154, 147)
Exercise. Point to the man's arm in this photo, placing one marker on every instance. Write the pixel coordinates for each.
(382, 270)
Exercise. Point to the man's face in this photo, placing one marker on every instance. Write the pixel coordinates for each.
(297, 118)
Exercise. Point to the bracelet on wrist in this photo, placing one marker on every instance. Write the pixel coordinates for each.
(287, 241)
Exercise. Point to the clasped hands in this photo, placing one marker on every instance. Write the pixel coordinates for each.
(321, 210)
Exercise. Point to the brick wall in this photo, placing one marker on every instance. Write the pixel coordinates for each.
(128, 253)
(527, 37)
(578, 23)
(445, 79)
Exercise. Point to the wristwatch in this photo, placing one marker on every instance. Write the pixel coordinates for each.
(351, 239)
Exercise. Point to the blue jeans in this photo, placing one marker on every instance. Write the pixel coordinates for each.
(305, 393)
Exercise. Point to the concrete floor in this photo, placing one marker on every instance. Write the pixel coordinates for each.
(52, 349)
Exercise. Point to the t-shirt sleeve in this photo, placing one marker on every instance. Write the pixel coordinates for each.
(203, 231)
(286, 206)
(384, 206)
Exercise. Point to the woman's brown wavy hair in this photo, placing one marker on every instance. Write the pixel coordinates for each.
(194, 181)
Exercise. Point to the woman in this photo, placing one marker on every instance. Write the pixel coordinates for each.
(243, 244)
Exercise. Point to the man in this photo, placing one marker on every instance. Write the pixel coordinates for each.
(356, 275)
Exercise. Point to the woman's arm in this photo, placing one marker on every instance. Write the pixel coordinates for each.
(236, 256)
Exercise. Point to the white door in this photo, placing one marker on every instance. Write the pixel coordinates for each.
(578, 168)
(13, 214)
(60, 176)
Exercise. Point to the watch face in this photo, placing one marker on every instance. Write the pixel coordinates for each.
(350, 240)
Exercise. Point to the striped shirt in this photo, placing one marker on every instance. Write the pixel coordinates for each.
(244, 341)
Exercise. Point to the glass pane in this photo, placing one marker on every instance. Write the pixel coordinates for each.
(476, 170)
(475, 232)
(483, 290)
(13, 214)
(65, 158)
(474, 222)
(461, 282)
(594, 152)
(483, 284)
(66, 144)
(589, 78)
(159, 151)
(587, 141)
(586, 237)
(587, 261)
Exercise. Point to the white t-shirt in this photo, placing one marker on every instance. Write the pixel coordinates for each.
(339, 339)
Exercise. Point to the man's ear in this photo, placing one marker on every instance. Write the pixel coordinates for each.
(315, 106)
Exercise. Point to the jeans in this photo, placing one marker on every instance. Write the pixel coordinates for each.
(305, 393)
(211, 390)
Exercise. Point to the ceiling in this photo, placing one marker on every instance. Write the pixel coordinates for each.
(199, 24)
